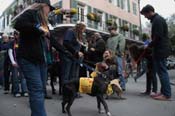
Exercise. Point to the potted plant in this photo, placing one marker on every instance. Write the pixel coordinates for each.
(97, 18)
(91, 16)
(109, 22)
(145, 36)
(57, 11)
(135, 32)
(73, 11)
(125, 27)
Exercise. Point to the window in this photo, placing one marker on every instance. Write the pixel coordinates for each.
(101, 15)
(134, 26)
(123, 22)
(134, 5)
(106, 16)
(130, 30)
(122, 4)
(89, 11)
(81, 13)
(120, 24)
(114, 2)
(7, 19)
(125, 5)
(118, 3)
(128, 4)
(3, 23)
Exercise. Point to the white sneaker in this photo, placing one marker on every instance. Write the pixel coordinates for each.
(26, 94)
(17, 95)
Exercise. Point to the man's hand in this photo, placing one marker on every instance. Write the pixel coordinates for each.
(80, 54)
(145, 47)
(92, 49)
(46, 31)
(15, 65)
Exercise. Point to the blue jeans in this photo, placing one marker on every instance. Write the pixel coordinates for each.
(161, 69)
(120, 71)
(35, 83)
(16, 80)
(43, 70)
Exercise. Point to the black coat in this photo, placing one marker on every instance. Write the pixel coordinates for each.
(97, 55)
(30, 45)
(160, 41)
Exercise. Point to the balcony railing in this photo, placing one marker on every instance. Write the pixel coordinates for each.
(20, 7)
(67, 19)
(61, 19)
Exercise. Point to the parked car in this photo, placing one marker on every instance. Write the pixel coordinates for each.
(170, 64)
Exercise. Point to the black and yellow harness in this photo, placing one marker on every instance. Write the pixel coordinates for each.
(86, 84)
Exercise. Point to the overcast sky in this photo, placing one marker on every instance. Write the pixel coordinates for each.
(163, 7)
(4, 4)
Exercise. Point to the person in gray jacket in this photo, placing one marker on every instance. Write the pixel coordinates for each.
(116, 43)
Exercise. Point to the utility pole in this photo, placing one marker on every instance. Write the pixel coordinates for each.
(140, 28)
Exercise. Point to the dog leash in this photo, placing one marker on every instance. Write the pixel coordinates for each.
(69, 55)
(143, 53)
(80, 62)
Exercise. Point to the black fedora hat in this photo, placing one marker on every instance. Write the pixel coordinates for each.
(46, 2)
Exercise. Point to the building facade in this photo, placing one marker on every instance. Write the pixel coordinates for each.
(10, 12)
(125, 14)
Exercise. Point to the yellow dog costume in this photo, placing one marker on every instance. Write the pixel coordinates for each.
(86, 84)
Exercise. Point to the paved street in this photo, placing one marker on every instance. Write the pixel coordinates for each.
(134, 105)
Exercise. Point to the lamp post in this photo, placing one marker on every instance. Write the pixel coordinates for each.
(140, 35)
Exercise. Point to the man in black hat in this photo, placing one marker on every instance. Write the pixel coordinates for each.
(161, 50)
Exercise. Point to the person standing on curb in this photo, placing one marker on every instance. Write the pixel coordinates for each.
(161, 50)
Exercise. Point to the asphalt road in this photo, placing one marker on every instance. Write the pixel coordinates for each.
(134, 105)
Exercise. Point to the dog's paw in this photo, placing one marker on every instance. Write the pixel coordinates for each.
(122, 98)
(63, 111)
(109, 114)
(106, 97)
(101, 111)
(53, 93)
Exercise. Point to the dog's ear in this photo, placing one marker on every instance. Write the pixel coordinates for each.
(101, 67)
(117, 89)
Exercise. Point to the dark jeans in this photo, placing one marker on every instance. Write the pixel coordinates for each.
(35, 83)
(18, 79)
(70, 69)
(6, 75)
(1, 78)
(161, 69)
(151, 81)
